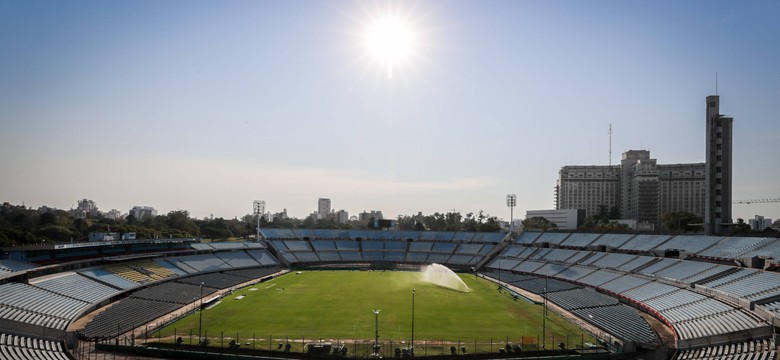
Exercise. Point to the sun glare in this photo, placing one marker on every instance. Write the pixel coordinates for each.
(390, 41)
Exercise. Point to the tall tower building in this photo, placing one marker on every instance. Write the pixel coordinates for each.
(323, 208)
(718, 169)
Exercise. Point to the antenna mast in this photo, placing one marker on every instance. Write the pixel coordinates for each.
(610, 144)
(716, 83)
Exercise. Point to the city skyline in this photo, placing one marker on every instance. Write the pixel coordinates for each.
(205, 107)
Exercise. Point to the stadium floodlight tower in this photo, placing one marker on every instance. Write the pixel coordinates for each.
(511, 202)
(200, 315)
(376, 333)
(411, 345)
(259, 209)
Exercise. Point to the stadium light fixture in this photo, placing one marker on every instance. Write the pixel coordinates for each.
(411, 345)
(200, 315)
(511, 202)
(376, 331)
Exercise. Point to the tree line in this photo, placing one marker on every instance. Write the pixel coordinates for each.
(20, 225)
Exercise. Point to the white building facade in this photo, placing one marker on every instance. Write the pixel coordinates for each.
(142, 212)
(638, 189)
(564, 219)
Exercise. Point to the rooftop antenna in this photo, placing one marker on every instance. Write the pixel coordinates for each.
(716, 83)
(610, 144)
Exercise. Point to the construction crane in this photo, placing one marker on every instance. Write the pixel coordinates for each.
(756, 201)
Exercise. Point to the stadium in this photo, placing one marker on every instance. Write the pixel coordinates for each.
(595, 295)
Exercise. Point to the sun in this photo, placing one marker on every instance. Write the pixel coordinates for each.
(390, 41)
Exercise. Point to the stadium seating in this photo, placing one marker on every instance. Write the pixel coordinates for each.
(692, 315)
(17, 347)
(107, 277)
(9, 265)
(237, 259)
(33, 305)
(78, 286)
(733, 247)
(580, 239)
(455, 249)
(695, 293)
(580, 298)
(125, 315)
(621, 321)
(644, 242)
(690, 243)
(751, 350)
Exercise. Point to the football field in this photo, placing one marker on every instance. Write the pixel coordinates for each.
(339, 305)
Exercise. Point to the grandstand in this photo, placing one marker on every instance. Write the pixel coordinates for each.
(714, 294)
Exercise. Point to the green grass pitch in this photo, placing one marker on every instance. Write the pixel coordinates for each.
(338, 305)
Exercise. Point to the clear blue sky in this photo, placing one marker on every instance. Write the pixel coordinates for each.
(207, 105)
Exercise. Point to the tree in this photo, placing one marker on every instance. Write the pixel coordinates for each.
(452, 220)
(598, 222)
(47, 218)
(741, 226)
(680, 221)
(470, 223)
(435, 222)
(490, 225)
(54, 233)
(538, 223)
(405, 222)
(180, 220)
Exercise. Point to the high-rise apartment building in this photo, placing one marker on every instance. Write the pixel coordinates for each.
(142, 212)
(638, 189)
(682, 188)
(718, 173)
(323, 208)
(373, 214)
(594, 188)
(86, 207)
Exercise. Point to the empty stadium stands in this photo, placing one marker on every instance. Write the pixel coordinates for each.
(17, 347)
(663, 286)
(77, 286)
(749, 350)
(702, 294)
(29, 304)
(304, 246)
(599, 309)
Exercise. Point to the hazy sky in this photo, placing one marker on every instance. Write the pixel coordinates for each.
(207, 105)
